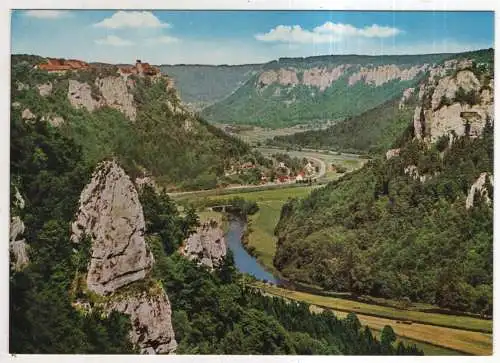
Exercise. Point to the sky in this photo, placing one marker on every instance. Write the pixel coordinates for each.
(239, 37)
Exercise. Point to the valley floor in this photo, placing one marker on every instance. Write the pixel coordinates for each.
(436, 334)
(460, 340)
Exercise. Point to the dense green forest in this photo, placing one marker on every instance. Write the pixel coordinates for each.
(278, 106)
(381, 232)
(373, 131)
(219, 313)
(49, 171)
(180, 156)
(212, 312)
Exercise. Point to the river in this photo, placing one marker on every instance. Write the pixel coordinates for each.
(242, 259)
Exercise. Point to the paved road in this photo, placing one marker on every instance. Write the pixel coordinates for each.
(321, 173)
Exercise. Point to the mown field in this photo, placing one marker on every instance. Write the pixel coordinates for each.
(442, 320)
(460, 340)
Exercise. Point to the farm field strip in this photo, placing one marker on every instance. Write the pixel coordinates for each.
(459, 340)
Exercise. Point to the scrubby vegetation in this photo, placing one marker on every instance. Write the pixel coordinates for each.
(373, 131)
(182, 151)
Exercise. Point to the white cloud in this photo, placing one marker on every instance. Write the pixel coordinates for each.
(326, 33)
(164, 39)
(115, 41)
(132, 19)
(46, 14)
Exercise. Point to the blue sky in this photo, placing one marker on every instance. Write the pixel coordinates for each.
(236, 37)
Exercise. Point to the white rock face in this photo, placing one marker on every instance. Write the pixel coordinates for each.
(386, 73)
(392, 153)
(56, 121)
(44, 89)
(17, 244)
(478, 186)
(407, 93)
(412, 171)
(439, 120)
(282, 76)
(323, 77)
(111, 214)
(151, 318)
(207, 245)
(22, 86)
(27, 114)
(116, 95)
(80, 95)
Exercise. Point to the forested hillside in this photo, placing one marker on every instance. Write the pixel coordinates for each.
(418, 225)
(375, 130)
(213, 312)
(372, 131)
(292, 91)
(140, 121)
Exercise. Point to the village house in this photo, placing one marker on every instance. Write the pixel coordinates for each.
(62, 65)
(140, 69)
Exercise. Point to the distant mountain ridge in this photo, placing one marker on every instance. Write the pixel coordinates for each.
(291, 91)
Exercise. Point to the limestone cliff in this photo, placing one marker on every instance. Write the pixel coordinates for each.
(459, 103)
(112, 91)
(479, 186)
(382, 74)
(207, 245)
(17, 244)
(324, 77)
(150, 314)
(111, 215)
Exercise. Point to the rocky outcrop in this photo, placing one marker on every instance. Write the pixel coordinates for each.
(392, 153)
(282, 76)
(44, 89)
(17, 244)
(207, 245)
(323, 77)
(115, 91)
(150, 315)
(80, 95)
(479, 187)
(27, 114)
(412, 171)
(407, 93)
(447, 113)
(21, 86)
(386, 73)
(111, 214)
(112, 92)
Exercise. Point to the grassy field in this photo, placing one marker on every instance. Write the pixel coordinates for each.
(255, 135)
(434, 340)
(440, 320)
(261, 235)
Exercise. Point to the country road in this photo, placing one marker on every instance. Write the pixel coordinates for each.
(270, 151)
